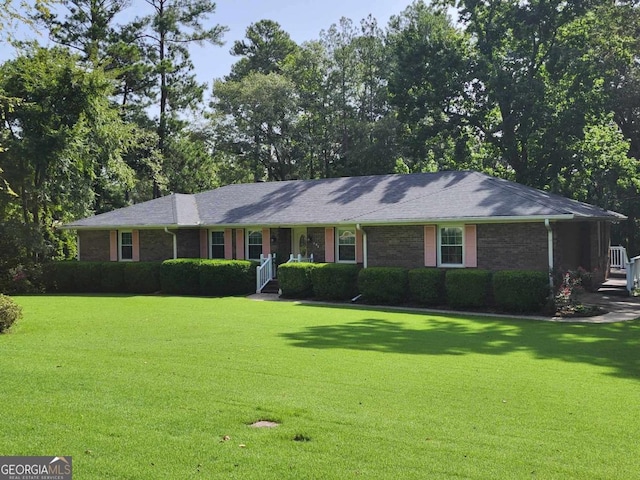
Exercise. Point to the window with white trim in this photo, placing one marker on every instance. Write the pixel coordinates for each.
(451, 246)
(217, 244)
(126, 246)
(254, 244)
(346, 239)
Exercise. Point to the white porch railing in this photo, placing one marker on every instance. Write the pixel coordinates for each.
(300, 259)
(618, 257)
(265, 272)
(633, 274)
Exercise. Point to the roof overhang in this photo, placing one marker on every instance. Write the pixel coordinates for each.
(412, 221)
(127, 227)
(362, 222)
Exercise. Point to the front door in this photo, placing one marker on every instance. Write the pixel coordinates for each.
(299, 241)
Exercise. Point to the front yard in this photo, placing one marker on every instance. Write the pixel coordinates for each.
(152, 387)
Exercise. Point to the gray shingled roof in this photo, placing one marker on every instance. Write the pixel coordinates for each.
(379, 199)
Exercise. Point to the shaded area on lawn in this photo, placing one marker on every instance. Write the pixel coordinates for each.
(615, 346)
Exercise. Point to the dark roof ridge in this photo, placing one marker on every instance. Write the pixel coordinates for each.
(174, 207)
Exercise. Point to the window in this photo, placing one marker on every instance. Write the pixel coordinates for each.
(126, 245)
(346, 245)
(217, 244)
(254, 244)
(451, 246)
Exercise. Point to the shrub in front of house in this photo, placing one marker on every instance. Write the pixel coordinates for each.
(521, 291)
(111, 278)
(87, 277)
(71, 276)
(468, 288)
(335, 281)
(426, 286)
(59, 276)
(10, 312)
(295, 279)
(180, 276)
(142, 277)
(386, 285)
(220, 278)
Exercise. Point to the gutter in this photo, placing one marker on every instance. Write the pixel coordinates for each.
(175, 242)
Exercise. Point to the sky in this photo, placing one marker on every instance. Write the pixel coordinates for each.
(301, 19)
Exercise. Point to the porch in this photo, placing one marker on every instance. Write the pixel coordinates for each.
(266, 276)
(623, 271)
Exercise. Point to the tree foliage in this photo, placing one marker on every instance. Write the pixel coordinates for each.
(545, 92)
(61, 140)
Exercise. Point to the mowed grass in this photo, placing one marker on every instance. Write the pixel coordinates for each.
(153, 387)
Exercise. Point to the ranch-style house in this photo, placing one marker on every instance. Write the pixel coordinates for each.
(460, 219)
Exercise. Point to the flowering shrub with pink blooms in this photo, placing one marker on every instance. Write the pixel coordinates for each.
(569, 286)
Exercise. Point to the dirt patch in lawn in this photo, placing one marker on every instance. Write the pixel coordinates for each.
(264, 424)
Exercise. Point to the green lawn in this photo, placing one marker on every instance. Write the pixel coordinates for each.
(148, 387)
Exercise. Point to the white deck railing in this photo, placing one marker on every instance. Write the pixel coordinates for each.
(300, 259)
(618, 257)
(265, 272)
(633, 274)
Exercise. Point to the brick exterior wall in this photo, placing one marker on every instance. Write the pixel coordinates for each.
(188, 243)
(515, 246)
(395, 246)
(155, 245)
(94, 245)
(499, 246)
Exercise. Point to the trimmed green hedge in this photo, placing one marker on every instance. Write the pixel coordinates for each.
(521, 290)
(513, 291)
(187, 276)
(112, 277)
(427, 286)
(180, 276)
(387, 285)
(195, 276)
(335, 281)
(466, 288)
(295, 279)
(142, 277)
(71, 276)
(60, 276)
(219, 278)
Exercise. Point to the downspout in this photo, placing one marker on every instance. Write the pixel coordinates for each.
(175, 242)
(364, 245)
(550, 250)
(364, 257)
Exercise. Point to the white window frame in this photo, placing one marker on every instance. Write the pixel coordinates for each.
(248, 233)
(121, 245)
(451, 265)
(211, 232)
(355, 243)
